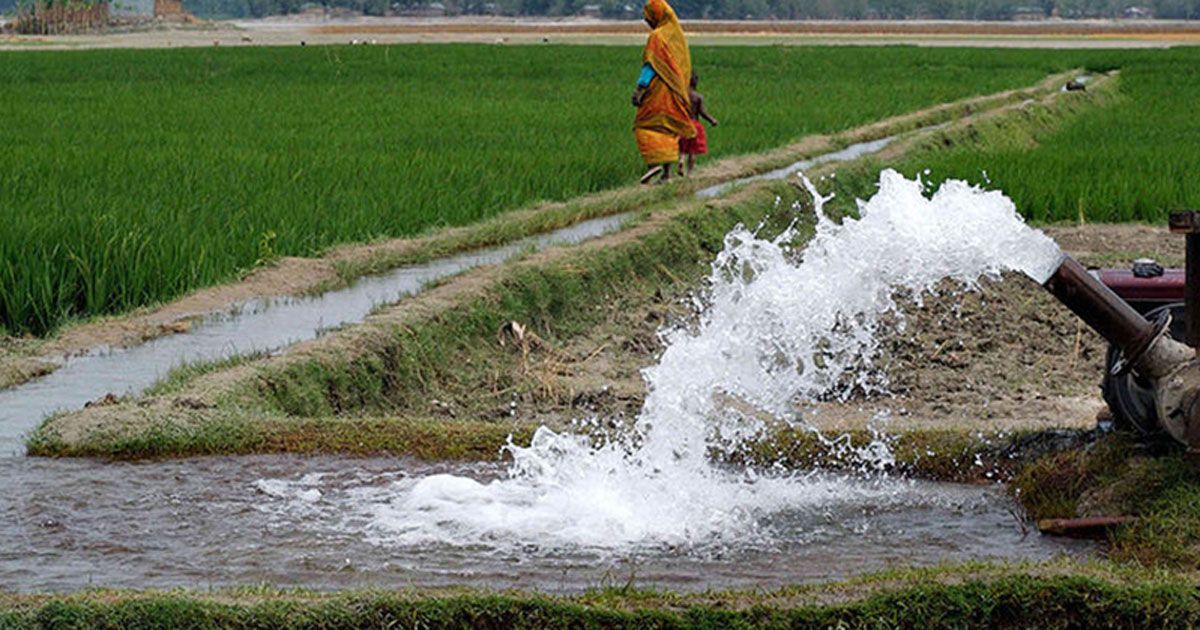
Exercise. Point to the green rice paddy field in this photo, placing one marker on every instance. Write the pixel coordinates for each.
(130, 177)
(1133, 162)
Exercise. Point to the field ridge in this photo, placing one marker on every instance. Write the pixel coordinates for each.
(336, 375)
(293, 276)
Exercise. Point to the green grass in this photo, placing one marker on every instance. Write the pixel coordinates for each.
(1135, 161)
(926, 599)
(1117, 476)
(131, 177)
(228, 433)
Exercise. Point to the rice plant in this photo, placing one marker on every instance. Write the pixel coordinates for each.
(130, 177)
(1135, 161)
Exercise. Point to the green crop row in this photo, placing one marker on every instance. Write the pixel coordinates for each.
(1135, 161)
(128, 178)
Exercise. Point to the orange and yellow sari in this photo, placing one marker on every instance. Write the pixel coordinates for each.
(663, 117)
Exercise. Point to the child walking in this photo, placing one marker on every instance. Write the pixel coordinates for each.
(689, 148)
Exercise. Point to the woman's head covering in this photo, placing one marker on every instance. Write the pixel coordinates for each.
(654, 12)
(666, 49)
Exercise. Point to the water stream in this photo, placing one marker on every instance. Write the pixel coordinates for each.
(782, 325)
(254, 326)
(851, 152)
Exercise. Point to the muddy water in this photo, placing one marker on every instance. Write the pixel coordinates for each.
(258, 326)
(316, 522)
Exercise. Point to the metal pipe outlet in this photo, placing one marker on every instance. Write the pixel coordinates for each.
(1101, 309)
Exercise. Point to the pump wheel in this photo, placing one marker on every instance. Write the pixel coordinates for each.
(1131, 398)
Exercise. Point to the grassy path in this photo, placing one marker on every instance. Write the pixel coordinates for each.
(1047, 596)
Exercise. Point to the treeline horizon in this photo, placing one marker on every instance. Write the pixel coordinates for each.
(710, 9)
(722, 9)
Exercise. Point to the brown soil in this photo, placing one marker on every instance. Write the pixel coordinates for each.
(1117, 245)
(1005, 356)
(18, 362)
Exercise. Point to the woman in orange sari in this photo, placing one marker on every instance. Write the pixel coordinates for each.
(662, 94)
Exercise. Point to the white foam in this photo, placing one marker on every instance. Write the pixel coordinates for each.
(564, 493)
(780, 328)
(777, 330)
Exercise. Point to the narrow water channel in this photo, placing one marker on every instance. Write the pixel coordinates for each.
(269, 325)
(255, 326)
(851, 152)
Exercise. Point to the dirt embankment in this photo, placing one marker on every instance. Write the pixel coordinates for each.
(1005, 356)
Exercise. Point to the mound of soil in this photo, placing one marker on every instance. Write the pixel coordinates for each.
(1003, 356)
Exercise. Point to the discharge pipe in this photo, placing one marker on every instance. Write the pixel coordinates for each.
(1147, 348)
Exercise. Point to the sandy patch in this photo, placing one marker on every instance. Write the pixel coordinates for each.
(319, 30)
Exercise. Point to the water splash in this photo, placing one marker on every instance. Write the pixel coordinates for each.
(780, 328)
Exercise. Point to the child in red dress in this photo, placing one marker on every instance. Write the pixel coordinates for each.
(691, 147)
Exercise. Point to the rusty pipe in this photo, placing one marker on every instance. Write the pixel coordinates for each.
(1100, 308)
(1147, 348)
(1087, 527)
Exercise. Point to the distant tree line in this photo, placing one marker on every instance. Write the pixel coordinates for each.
(716, 9)
(707, 9)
